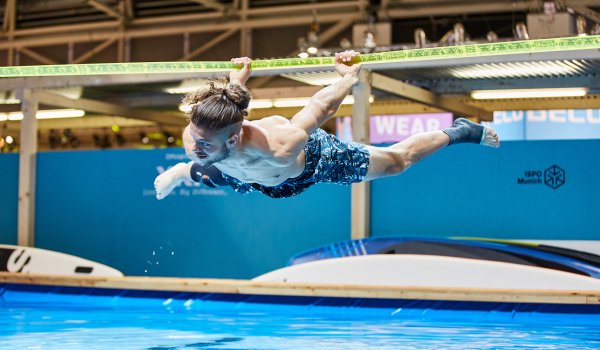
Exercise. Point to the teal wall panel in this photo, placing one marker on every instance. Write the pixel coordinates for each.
(100, 205)
(467, 190)
(9, 197)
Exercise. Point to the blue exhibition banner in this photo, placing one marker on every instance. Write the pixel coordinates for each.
(558, 124)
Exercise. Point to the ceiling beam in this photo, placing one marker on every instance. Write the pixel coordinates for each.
(68, 28)
(379, 107)
(17, 107)
(212, 4)
(100, 80)
(208, 45)
(165, 20)
(245, 33)
(336, 6)
(285, 92)
(77, 36)
(163, 100)
(12, 107)
(417, 94)
(419, 8)
(586, 12)
(129, 10)
(36, 56)
(9, 16)
(95, 122)
(166, 118)
(341, 9)
(8, 28)
(99, 6)
(89, 54)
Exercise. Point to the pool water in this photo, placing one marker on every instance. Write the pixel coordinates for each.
(49, 320)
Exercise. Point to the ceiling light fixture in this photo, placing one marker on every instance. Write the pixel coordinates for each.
(302, 47)
(314, 78)
(312, 38)
(260, 103)
(521, 69)
(189, 85)
(297, 102)
(528, 93)
(45, 114)
(74, 93)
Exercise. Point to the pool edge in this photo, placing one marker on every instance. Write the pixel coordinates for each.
(229, 286)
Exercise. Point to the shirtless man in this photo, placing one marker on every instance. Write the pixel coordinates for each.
(281, 157)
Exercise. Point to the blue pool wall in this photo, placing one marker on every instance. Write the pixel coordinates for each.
(15, 296)
(100, 205)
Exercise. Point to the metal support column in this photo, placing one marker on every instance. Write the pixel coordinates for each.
(27, 164)
(361, 192)
(245, 32)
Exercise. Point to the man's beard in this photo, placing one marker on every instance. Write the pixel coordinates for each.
(219, 157)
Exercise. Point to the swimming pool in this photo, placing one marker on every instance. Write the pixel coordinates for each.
(59, 317)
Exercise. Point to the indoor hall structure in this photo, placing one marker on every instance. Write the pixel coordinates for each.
(473, 247)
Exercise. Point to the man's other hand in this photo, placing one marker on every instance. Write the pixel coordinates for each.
(240, 76)
(344, 63)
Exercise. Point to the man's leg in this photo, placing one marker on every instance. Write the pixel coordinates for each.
(393, 160)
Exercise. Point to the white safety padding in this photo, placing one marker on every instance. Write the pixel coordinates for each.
(429, 271)
(20, 259)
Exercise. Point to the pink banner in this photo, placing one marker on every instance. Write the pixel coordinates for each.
(395, 127)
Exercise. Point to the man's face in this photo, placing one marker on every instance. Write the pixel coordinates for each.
(205, 147)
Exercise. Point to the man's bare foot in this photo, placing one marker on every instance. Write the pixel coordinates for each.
(166, 182)
(491, 138)
(466, 131)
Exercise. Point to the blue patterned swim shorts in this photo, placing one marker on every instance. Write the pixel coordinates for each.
(328, 160)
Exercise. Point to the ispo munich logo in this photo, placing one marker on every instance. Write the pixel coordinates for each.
(554, 176)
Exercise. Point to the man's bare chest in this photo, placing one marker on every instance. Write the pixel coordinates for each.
(260, 170)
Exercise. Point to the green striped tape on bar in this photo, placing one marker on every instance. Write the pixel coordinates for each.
(464, 51)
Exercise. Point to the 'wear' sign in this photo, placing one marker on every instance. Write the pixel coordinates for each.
(395, 127)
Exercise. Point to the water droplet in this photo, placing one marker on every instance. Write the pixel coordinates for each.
(145, 270)
(153, 252)
(172, 253)
(157, 263)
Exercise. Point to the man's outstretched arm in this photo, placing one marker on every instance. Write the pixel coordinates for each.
(327, 101)
(166, 182)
